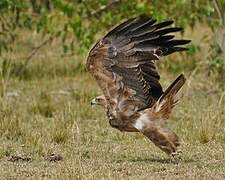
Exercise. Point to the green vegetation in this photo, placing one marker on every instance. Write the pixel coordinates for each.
(48, 130)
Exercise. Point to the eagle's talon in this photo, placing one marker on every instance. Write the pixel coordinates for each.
(176, 153)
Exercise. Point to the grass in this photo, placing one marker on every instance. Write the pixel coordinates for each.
(46, 112)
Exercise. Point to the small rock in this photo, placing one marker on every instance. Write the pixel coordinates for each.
(19, 157)
(54, 157)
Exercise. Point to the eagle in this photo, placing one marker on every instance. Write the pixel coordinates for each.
(123, 64)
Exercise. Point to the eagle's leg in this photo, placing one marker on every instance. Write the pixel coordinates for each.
(163, 138)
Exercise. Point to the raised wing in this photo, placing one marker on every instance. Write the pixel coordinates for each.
(129, 51)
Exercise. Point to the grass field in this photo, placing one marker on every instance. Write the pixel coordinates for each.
(48, 130)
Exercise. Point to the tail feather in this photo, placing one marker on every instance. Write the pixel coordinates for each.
(167, 101)
(174, 87)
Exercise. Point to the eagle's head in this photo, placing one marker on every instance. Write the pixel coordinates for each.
(99, 100)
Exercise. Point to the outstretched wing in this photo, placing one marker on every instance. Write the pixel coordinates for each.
(125, 58)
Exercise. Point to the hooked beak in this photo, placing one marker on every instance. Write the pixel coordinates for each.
(98, 101)
(93, 102)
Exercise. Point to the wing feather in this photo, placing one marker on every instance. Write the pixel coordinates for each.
(129, 52)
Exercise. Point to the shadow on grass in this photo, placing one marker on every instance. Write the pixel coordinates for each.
(158, 160)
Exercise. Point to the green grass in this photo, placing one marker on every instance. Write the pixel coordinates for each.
(47, 111)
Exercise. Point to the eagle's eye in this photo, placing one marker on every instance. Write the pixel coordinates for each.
(97, 99)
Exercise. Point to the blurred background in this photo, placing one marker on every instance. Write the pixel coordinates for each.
(45, 90)
(70, 27)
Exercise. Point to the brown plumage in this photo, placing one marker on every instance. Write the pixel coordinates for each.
(122, 63)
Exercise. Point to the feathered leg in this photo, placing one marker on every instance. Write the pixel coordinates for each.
(163, 138)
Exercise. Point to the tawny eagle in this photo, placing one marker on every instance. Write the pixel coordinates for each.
(122, 63)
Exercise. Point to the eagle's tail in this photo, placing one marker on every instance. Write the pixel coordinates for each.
(167, 101)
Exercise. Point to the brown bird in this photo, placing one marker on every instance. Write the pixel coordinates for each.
(122, 63)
